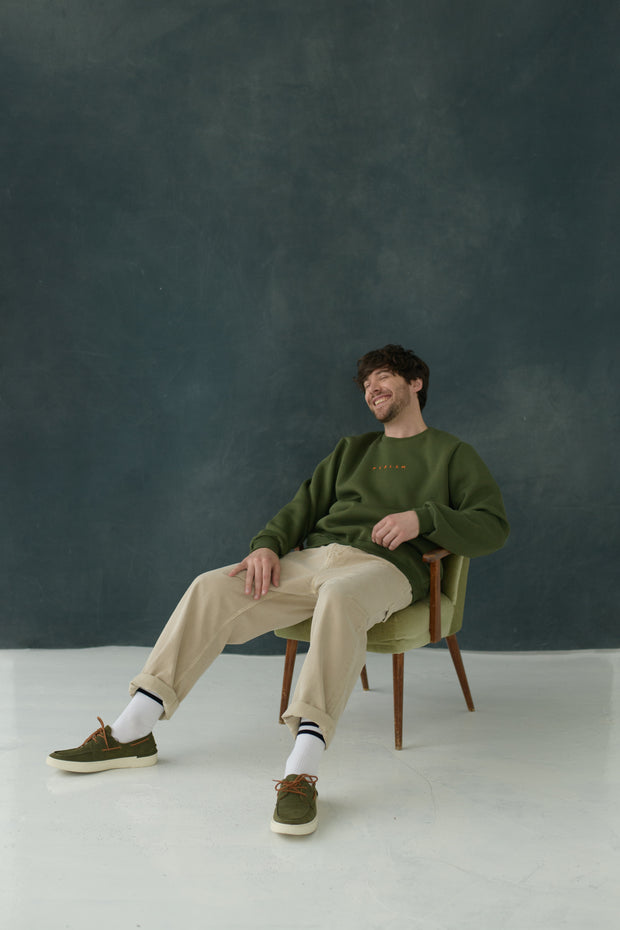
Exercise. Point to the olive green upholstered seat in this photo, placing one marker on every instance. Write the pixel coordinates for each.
(438, 616)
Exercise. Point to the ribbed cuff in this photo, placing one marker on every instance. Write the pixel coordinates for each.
(425, 517)
(265, 542)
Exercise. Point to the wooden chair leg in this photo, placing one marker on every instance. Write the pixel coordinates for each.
(455, 652)
(398, 665)
(364, 677)
(287, 678)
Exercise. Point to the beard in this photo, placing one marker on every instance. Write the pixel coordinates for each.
(391, 410)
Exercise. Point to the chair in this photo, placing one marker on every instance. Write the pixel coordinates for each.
(440, 615)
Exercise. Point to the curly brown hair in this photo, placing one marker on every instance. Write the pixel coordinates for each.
(398, 360)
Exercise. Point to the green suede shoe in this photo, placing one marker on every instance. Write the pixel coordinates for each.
(295, 811)
(100, 751)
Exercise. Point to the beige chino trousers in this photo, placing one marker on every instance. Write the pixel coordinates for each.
(345, 590)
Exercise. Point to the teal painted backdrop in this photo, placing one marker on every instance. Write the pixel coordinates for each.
(211, 208)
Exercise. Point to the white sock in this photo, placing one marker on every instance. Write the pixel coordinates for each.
(138, 718)
(307, 751)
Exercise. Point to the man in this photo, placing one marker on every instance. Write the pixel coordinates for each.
(370, 511)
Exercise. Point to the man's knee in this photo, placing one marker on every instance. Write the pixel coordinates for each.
(340, 607)
(215, 584)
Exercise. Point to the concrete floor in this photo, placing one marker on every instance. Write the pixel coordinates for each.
(505, 819)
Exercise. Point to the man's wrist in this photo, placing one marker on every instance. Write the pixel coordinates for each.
(265, 542)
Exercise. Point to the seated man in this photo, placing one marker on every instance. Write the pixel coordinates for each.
(370, 511)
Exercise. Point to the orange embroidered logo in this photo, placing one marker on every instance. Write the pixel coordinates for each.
(388, 467)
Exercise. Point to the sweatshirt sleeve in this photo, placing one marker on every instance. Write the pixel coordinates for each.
(474, 523)
(293, 522)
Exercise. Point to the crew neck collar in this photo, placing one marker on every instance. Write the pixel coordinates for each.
(405, 438)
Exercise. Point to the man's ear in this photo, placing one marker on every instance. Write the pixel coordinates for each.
(417, 384)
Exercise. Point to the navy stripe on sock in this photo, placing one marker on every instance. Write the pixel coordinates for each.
(310, 729)
(153, 697)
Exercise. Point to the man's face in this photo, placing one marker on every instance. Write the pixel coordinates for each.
(388, 394)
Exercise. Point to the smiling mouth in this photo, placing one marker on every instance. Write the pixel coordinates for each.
(380, 400)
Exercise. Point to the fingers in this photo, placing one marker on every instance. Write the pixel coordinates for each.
(251, 578)
(395, 529)
(394, 534)
(262, 573)
(384, 533)
(260, 579)
(389, 538)
(262, 568)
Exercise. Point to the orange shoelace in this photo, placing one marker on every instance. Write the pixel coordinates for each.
(100, 732)
(297, 786)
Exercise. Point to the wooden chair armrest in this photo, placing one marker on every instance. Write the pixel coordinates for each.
(433, 559)
(435, 555)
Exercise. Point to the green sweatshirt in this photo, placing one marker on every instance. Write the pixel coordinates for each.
(367, 477)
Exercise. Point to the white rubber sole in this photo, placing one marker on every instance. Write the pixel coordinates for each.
(294, 829)
(130, 762)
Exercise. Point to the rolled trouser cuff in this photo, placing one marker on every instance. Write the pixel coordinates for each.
(299, 709)
(158, 687)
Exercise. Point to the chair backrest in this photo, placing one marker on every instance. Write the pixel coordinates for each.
(454, 585)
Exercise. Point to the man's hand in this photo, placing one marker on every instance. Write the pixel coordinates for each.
(395, 529)
(263, 570)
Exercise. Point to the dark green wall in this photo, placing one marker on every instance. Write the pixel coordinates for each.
(212, 208)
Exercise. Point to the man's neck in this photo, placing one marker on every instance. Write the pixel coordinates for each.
(410, 426)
